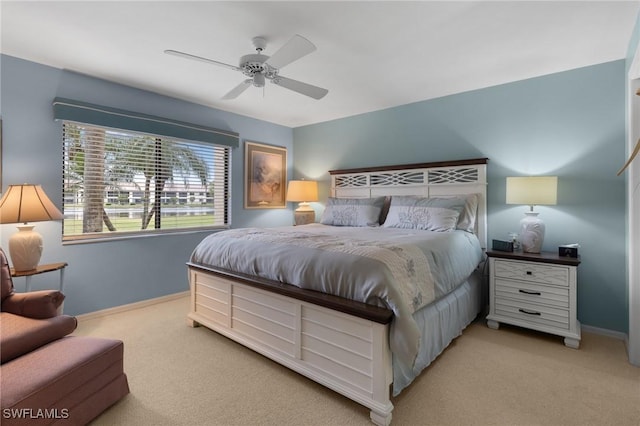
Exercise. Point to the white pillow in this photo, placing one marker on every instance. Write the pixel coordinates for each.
(431, 214)
(352, 211)
(467, 219)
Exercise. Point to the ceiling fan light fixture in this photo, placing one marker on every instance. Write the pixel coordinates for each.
(258, 80)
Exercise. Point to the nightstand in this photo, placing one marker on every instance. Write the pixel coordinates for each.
(536, 291)
(41, 269)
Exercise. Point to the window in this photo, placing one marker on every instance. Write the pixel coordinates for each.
(121, 182)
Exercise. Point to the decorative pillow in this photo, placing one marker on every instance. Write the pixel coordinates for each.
(467, 219)
(431, 214)
(352, 211)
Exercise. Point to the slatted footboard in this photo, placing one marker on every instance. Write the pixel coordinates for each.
(339, 350)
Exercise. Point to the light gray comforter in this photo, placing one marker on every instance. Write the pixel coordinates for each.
(399, 269)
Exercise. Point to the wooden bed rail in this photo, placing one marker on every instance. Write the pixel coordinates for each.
(361, 310)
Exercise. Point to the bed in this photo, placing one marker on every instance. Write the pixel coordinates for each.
(342, 304)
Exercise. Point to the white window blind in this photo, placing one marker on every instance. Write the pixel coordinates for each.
(119, 182)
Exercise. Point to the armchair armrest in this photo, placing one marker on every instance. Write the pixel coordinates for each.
(34, 304)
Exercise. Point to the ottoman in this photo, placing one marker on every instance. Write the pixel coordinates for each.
(67, 382)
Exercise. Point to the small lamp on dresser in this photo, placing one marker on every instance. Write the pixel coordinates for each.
(21, 204)
(532, 190)
(303, 192)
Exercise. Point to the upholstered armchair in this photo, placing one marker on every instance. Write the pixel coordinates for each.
(28, 320)
(44, 369)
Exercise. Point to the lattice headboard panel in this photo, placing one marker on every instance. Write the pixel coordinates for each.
(445, 178)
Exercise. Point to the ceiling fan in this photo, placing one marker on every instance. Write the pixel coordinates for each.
(259, 67)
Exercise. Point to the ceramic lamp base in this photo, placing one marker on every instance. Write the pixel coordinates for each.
(304, 214)
(304, 217)
(531, 233)
(25, 248)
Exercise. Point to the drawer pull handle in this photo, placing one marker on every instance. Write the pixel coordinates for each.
(533, 293)
(529, 273)
(524, 311)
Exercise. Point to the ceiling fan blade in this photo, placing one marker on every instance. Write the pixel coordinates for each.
(294, 49)
(236, 91)
(200, 58)
(314, 92)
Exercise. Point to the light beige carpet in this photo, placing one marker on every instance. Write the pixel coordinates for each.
(192, 376)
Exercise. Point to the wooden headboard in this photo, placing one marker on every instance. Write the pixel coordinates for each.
(443, 178)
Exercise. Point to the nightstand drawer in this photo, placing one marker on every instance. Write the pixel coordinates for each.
(533, 272)
(536, 314)
(532, 293)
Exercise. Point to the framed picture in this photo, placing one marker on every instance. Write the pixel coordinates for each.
(265, 179)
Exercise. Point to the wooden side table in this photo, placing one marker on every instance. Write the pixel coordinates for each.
(41, 269)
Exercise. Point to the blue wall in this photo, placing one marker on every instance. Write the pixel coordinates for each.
(102, 275)
(570, 124)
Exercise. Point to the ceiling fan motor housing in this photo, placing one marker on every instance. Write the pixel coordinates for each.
(254, 63)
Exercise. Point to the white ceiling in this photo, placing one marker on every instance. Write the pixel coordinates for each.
(371, 55)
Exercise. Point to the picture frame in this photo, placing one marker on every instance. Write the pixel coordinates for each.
(265, 183)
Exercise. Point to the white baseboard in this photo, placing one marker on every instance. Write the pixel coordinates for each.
(131, 306)
(605, 332)
(609, 333)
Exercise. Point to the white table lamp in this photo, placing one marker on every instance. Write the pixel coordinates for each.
(21, 204)
(304, 192)
(534, 190)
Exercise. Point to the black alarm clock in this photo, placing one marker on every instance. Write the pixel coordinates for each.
(500, 245)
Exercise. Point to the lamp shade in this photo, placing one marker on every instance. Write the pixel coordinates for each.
(302, 191)
(533, 190)
(27, 203)
(22, 204)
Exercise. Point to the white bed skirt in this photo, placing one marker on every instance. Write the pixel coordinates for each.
(441, 322)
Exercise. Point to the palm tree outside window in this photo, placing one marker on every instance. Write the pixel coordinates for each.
(118, 182)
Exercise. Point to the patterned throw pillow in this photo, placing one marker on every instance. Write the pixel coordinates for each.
(430, 214)
(352, 211)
